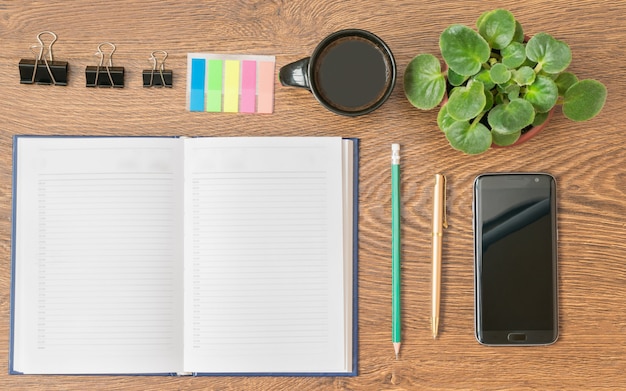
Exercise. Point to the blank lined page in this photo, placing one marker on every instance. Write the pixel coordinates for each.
(98, 255)
(264, 270)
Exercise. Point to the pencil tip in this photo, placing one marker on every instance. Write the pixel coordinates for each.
(396, 348)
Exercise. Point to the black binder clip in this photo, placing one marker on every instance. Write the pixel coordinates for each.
(157, 77)
(43, 69)
(105, 75)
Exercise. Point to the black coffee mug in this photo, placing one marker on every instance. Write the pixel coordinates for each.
(351, 72)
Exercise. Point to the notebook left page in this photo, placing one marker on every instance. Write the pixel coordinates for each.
(97, 255)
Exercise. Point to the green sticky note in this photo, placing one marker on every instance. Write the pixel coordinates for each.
(214, 86)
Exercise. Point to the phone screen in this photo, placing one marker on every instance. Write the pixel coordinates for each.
(515, 259)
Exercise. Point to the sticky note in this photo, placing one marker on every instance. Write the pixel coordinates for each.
(248, 87)
(266, 87)
(230, 83)
(231, 86)
(196, 94)
(214, 85)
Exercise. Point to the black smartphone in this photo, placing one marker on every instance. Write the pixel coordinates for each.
(515, 259)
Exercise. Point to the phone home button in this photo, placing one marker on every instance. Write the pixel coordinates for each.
(516, 337)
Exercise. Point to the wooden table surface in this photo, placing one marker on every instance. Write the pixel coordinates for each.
(587, 159)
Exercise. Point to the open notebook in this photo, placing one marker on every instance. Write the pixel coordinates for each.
(150, 255)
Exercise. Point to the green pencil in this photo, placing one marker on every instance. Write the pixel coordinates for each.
(395, 248)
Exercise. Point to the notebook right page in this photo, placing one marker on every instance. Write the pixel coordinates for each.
(264, 258)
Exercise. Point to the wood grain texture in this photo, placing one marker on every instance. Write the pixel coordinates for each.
(587, 159)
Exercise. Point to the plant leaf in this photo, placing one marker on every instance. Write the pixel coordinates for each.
(543, 93)
(499, 99)
(484, 77)
(497, 27)
(424, 83)
(551, 55)
(524, 76)
(455, 79)
(564, 81)
(519, 33)
(511, 117)
(499, 73)
(512, 91)
(488, 101)
(444, 121)
(467, 102)
(540, 118)
(480, 18)
(584, 100)
(463, 49)
(471, 139)
(504, 139)
(513, 55)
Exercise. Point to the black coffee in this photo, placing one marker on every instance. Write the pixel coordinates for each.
(352, 73)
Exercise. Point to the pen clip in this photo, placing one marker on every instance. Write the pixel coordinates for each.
(445, 212)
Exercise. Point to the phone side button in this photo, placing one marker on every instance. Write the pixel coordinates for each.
(516, 337)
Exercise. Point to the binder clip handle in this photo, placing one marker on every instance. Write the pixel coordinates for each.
(42, 46)
(102, 54)
(155, 61)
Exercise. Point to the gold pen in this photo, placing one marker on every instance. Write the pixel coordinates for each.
(439, 222)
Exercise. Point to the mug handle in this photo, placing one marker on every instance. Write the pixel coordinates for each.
(295, 74)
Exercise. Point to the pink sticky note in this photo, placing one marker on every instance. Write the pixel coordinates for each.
(248, 87)
(265, 87)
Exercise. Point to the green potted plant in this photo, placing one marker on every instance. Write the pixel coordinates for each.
(496, 84)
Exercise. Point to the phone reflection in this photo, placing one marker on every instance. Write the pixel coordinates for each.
(513, 220)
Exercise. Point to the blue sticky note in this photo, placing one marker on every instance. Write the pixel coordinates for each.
(198, 74)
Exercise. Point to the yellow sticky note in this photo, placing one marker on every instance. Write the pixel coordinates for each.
(231, 85)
